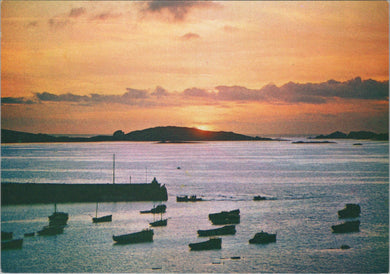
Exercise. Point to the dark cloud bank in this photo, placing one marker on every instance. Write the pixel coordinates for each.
(290, 93)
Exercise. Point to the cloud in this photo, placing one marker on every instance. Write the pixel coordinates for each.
(32, 24)
(16, 100)
(160, 92)
(77, 12)
(68, 97)
(189, 36)
(351, 89)
(57, 23)
(196, 92)
(135, 94)
(106, 16)
(230, 29)
(290, 93)
(237, 93)
(178, 10)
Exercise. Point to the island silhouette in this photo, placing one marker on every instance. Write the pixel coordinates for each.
(170, 134)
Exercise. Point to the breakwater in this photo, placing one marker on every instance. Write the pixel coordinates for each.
(31, 193)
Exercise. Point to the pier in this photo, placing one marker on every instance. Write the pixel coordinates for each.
(36, 193)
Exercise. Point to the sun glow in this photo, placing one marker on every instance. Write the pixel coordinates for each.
(204, 127)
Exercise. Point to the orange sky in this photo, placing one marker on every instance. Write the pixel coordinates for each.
(253, 67)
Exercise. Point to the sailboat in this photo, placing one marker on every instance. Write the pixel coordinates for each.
(107, 218)
(58, 218)
(161, 222)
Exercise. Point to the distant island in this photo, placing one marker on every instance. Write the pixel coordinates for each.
(169, 134)
(360, 135)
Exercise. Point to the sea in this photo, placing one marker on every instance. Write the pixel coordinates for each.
(305, 185)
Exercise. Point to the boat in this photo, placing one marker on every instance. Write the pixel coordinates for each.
(259, 198)
(12, 244)
(347, 227)
(102, 219)
(107, 218)
(350, 211)
(263, 238)
(58, 218)
(185, 198)
(30, 234)
(6, 235)
(213, 243)
(225, 230)
(145, 235)
(157, 209)
(162, 222)
(51, 230)
(225, 217)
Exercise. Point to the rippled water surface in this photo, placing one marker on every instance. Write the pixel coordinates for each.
(306, 185)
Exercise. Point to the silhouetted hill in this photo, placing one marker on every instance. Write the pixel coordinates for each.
(363, 135)
(159, 134)
(180, 134)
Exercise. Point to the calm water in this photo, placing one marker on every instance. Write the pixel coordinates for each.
(306, 184)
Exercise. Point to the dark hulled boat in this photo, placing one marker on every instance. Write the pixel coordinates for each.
(154, 210)
(107, 218)
(51, 230)
(225, 217)
(263, 238)
(226, 230)
(12, 244)
(214, 243)
(350, 211)
(347, 227)
(185, 198)
(145, 235)
(259, 198)
(58, 218)
(6, 235)
(162, 222)
(102, 219)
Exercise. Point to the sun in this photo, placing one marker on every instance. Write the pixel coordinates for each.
(203, 127)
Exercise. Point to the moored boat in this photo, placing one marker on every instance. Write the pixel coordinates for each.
(162, 222)
(102, 219)
(185, 198)
(263, 238)
(225, 230)
(347, 227)
(29, 234)
(225, 217)
(107, 218)
(12, 244)
(350, 211)
(213, 243)
(6, 235)
(145, 235)
(259, 198)
(157, 209)
(51, 230)
(58, 218)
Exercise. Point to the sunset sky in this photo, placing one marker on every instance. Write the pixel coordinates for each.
(252, 67)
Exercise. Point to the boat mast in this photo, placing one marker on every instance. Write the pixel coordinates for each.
(96, 209)
(113, 169)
